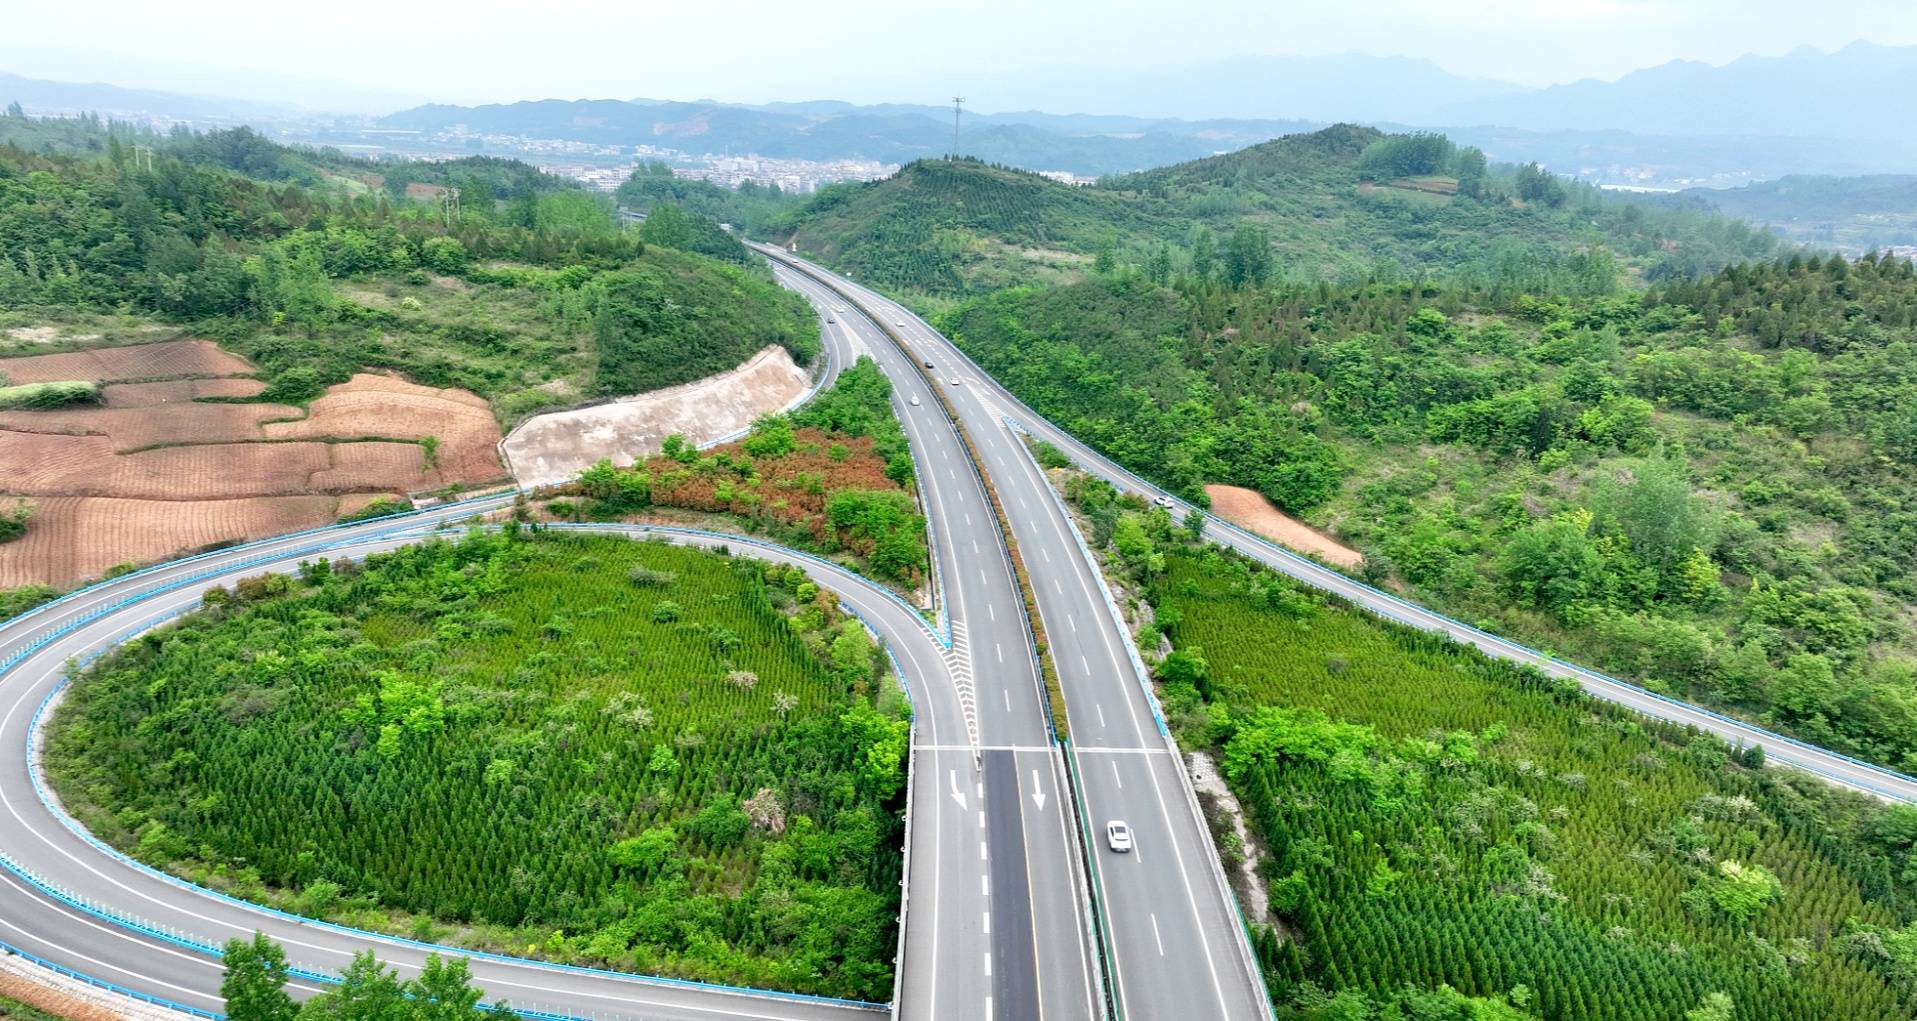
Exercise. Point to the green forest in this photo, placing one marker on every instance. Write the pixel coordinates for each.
(1345, 203)
(1431, 819)
(1709, 487)
(526, 291)
(589, 749)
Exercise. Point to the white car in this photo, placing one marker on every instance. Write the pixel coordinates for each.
(915, 400)
(1118, 836)
(898, 322)
(841, 309)
(955, 381)
(1165, 502)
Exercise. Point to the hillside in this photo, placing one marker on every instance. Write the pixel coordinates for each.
(1852, 214)
(1707, 489)
(526, 296)
(944, 228)
(1511, 838)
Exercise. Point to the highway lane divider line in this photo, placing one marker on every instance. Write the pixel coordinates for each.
(1057, 724)
(102, 984)
(1247, 958)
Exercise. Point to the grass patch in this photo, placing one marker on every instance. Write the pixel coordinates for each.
(47, 396)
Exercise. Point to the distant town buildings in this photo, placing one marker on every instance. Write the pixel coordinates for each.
(790, 175)
(597, 165)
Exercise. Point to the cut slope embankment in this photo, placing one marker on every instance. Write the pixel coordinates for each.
(556, 447)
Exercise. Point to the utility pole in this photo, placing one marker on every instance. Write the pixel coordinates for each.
(958, 103)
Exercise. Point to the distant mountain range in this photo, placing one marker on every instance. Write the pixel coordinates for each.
(1861, 92)
(47, 97)
(1683, 123)
(828, 130)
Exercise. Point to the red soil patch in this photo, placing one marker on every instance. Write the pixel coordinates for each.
(381, 466)
(72, 538)
(165, 360)
(1249, 510)
(53, 1001)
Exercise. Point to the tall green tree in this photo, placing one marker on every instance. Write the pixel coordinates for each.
(255, 983)
(1248, 257)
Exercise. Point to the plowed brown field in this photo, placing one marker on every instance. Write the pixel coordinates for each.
(141, 395)
(369, 405)
(156, 470)
(172, 359)
(72, 538)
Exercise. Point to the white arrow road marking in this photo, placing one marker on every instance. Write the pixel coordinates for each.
(957, 795)
(1038, 793)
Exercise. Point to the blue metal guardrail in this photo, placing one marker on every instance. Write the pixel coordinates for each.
(1111, 605)
(100, 911)
(117, 990)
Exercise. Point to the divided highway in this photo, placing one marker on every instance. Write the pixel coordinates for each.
(997, 924)
(1177, 946)
(996, 927)
(1837, 768)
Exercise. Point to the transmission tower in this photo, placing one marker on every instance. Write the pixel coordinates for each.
(958, 103)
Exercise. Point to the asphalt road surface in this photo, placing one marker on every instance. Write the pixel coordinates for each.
(1177, 946)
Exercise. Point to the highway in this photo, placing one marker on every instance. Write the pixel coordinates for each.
(997, 926)
(1778, 749)
(998, 923)
(1178, 948)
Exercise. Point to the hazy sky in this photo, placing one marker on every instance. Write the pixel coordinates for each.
(383, 52)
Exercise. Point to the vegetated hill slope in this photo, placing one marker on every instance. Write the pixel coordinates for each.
(1427, 819)
(1851, 214)
(529, 295)
(946, 227)
(1708, 489)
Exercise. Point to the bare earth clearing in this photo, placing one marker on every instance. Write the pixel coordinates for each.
(156, 469)
(555, 447)
(1249, 510)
